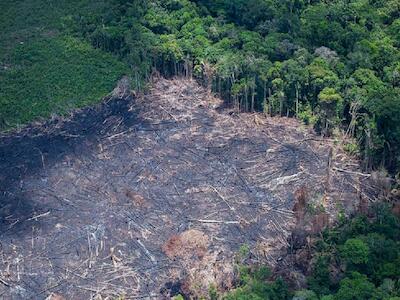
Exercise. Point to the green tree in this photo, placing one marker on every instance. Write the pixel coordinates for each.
(330, 105)
(355, 251)
(355, 287)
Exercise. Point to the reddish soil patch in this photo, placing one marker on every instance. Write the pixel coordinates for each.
(189, 244)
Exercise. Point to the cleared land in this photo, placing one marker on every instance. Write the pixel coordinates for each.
(151, 196)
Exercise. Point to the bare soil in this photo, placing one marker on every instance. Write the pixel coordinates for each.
(152, 196)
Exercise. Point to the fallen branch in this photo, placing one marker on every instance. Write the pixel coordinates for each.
(282, 181)
(39, 216)
(118, 134)
(151, 257)
(214, 221)
(4, 282)
(171, 115)
(222, 197)
(351, 172)
(242, 220)
(90, 289)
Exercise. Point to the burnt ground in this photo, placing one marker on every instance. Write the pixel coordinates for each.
(152, 196)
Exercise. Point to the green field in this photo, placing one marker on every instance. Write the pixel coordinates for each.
(43, 71)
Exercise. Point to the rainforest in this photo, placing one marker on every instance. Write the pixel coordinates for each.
(262, 137)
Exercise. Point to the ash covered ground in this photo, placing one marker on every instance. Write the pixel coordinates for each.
(152, 196)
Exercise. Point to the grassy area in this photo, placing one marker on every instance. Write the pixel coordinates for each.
(44, 72)
(25, 20)
(53, 75)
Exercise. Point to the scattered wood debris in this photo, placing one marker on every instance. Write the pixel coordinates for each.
(170, 182)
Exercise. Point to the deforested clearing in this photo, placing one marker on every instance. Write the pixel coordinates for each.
(153, 195)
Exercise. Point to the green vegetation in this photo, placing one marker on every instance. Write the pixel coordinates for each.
(357, 260)
(254, 285)
(365, 252)
(53, 75)
(43, 71)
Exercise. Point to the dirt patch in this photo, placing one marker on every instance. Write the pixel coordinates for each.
(191, 244)
(107, 202)
(136, 199)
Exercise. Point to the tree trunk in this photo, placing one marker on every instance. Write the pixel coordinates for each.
(265, 92)
(252, 99)
(246, 98)
(297, 101)
(269, 102)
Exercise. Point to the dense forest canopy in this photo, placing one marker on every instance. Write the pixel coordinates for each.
(334, 64)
